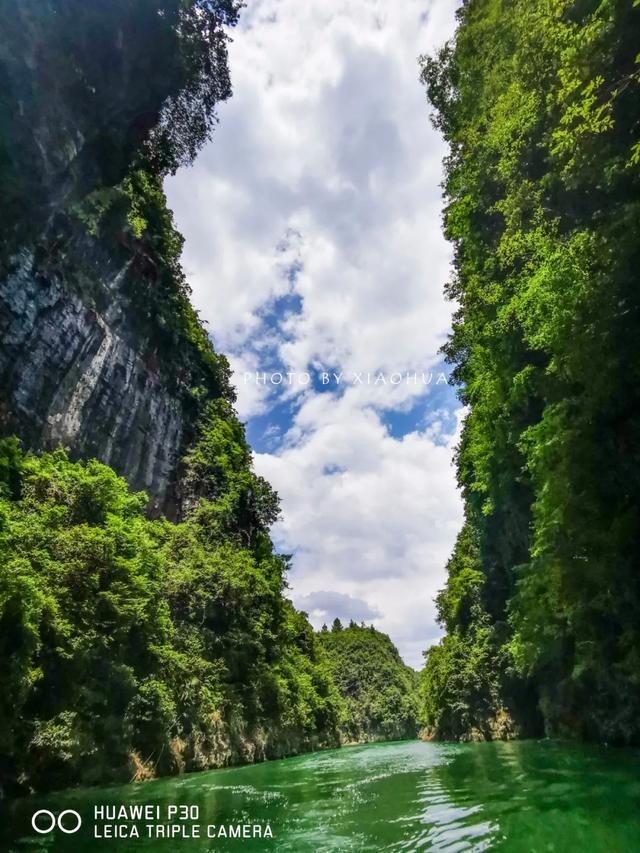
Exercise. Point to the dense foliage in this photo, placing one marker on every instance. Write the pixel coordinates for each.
(378, 688)
(132, 647)
(540, 105)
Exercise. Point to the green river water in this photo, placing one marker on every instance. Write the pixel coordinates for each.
(528, 796)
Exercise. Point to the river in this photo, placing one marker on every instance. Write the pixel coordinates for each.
(520, 797)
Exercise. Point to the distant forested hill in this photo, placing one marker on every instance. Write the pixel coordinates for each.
(378, 688)
(540, 105)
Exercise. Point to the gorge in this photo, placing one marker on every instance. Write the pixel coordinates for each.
(145, 623)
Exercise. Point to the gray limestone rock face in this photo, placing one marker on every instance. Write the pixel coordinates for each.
(72, 377)
(80, 368)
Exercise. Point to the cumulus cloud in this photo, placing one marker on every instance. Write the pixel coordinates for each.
(367, 515)
(326, 605)
(313, 241)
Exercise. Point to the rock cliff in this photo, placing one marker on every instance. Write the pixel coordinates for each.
(100, 350)
(77, 378)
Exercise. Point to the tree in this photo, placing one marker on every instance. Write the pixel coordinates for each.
(131, 645)
(539, 104)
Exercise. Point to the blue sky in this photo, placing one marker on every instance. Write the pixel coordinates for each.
(314, 245)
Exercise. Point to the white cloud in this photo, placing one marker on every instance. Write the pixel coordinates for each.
(380, 528)
(326, 605)
(325, 163)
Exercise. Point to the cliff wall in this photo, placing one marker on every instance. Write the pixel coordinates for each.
(100, 350)
(77, 378)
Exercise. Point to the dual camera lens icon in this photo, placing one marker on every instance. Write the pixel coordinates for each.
(68, 821)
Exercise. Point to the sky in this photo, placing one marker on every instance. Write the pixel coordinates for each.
(314, 248)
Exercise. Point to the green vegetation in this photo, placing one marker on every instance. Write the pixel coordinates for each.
(540, 105)
(132, 647)
(378, 688)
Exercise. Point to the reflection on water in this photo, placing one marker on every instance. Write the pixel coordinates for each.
(529, 796)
